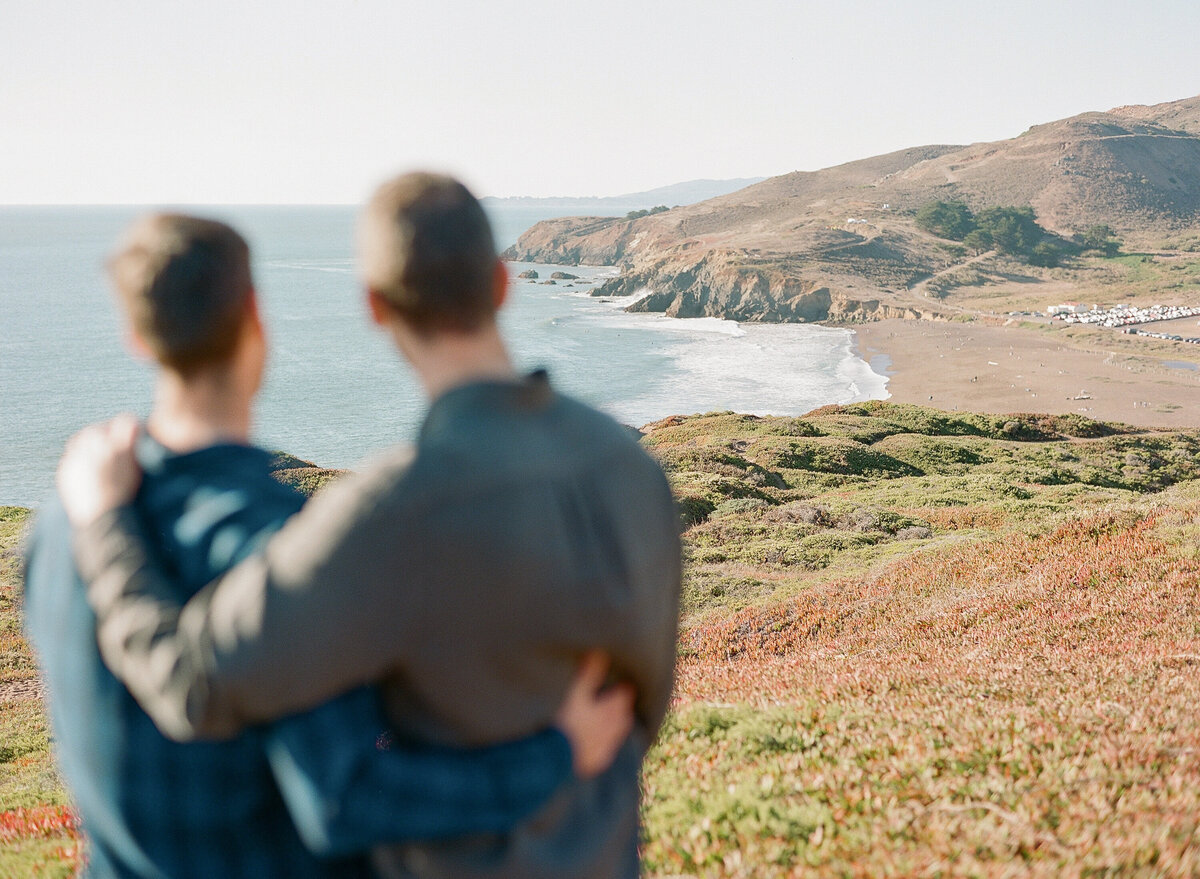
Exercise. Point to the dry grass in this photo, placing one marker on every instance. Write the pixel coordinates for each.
(38, 835)
(16, 660)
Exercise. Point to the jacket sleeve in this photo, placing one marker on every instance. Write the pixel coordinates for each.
(643, 642)
(348, 786)
(321, 611)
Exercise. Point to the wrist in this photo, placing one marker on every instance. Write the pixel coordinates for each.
(97, 544)
(562, 752)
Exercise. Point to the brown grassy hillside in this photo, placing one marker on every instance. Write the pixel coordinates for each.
(847, 233)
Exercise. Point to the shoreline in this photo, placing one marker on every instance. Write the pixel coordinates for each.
(997, 369)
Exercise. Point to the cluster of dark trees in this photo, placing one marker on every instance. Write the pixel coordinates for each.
(1013, 231)
(1100, 237)
(633, 215)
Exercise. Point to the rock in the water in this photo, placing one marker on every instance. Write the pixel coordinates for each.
(531, 274)
(564, 276)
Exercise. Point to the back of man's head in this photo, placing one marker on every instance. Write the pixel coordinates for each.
(426, 248)
(186, 285)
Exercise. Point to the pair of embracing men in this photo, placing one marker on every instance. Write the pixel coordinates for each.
(448, 664)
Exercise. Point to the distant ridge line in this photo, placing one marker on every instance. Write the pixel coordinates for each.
(687, 192)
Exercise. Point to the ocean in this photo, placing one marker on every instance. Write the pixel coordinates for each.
(335, 389)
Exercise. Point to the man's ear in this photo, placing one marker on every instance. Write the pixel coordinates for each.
(381, 312)
(253, 315)
(136, 345)
(499, 284)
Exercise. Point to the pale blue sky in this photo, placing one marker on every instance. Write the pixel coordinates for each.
(271, 101)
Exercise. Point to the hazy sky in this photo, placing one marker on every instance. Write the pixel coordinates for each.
(173, 101)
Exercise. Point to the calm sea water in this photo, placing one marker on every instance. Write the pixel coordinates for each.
(335, 388)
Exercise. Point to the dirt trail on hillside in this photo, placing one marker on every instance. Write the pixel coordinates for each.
(919, 291)
(20, 691)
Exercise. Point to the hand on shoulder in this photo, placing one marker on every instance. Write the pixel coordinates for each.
(98, 471)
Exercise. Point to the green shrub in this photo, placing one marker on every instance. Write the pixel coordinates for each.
(734, 506)
(800, 512)
(841, 456)
(693, 510)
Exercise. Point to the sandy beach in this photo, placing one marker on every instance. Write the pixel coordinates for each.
(993, 368)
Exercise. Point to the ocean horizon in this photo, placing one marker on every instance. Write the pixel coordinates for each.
(335, 389)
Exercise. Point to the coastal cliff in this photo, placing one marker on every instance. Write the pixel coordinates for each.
(843, 244)
(727, 285)
(833, 275)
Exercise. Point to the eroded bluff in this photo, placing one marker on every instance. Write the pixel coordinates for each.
(717, 285)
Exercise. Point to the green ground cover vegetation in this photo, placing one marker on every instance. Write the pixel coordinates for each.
(914, 642)
(920, 643)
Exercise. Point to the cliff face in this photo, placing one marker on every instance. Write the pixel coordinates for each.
(727, 285)
(574, 241)
(831, 275)
(841, 243)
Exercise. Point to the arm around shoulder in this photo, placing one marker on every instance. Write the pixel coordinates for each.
(349, 787)
(276, 634)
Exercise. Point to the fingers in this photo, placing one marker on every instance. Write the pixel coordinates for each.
(589, 678)
(87, 438)
(122, 432)
(81, 447)
(99, 471)
(595, 717)
(623, 697)
(593, 670)
(626, 695)
(606, 723)
(619, 701)
(117, 435)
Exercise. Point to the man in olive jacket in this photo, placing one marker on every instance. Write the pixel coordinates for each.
(468, 580)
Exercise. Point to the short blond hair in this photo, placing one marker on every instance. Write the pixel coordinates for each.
(185, 283)
(426, 247)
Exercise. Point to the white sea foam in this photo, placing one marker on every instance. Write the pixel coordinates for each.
(661, 366)
(693, 326)
(764, 370)
(620, 303)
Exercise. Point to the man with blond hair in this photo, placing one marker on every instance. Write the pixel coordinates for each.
(307, 795)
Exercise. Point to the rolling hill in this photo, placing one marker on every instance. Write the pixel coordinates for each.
(842, 244)
(688, 192)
